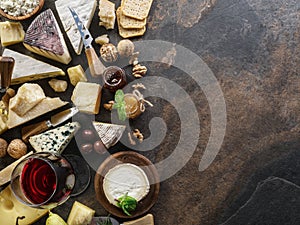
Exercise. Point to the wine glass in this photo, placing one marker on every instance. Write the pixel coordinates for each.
(43, 180)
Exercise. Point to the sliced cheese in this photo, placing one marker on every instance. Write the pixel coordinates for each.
(46, 105)
(38, 69)
(85, 9)
(87, 96)
(28, 96)
(55, 140)
(109, 134)
(11, 33)
(44, 37)
(5, 173)
(11, 209)
(80, 214)
(125, 178)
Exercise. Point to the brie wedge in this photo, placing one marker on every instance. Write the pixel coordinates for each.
(125, 178)
(38, 69)
(85, 9)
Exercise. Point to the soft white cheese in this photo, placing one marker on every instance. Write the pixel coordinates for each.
(125, 178)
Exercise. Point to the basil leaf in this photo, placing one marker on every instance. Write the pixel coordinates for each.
(119, 96)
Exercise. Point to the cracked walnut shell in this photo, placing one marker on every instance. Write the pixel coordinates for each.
(109, 52)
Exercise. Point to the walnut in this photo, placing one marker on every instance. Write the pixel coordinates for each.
(109, 52)
(125, 48)
(17, 148)
(132, 142)
(103, 39)
(3, 147)
(136, 133)
(139, 71)
(109, 105)
(138, 85)
(134, 59)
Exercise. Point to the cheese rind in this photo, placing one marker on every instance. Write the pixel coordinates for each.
(55, 140)
(46, 105)
(85, 9)
(125, 178)
(38, 69)
(87, 96)
(44, 37)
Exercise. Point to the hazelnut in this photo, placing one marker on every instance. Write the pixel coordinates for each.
(3, 147)
(125, 48)
(17, 148)
(109, 52)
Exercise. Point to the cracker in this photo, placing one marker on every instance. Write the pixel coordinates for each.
(129, 22)
(126, 33)
(138, 9)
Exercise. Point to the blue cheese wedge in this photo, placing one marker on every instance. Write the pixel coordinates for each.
(44, 37)
(38, 69)
(55, 140)
(85, 9)
(125, 178)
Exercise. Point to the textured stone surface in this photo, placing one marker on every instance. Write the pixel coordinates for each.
(253, 49)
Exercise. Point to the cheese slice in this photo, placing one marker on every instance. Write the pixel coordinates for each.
(55, 140)
(11, 209)
(87, 96)
(28, 96)
(85, 10)
(44, 37)
(46, 105)
(38, 69)
(109, 134)
(125, 178)
(80, 214)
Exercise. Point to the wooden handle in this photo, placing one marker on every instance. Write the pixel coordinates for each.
(6, 70)
(96, 66)
(34, 129)
(146, 220)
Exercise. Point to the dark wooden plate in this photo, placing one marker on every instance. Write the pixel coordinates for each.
(128, 157)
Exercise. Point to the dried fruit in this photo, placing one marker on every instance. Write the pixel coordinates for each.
(125, 48)
(99, 147)
(109, 52)
(87, 135)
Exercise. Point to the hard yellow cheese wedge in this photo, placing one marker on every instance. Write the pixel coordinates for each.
(80, 214)
(11, 33)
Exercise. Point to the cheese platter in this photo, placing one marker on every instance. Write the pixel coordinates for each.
(51, 76)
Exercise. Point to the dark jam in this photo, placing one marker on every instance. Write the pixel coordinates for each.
(38, 181)
(114, 78)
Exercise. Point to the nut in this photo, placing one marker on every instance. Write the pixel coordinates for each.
(125, 48)
(103, 39)
(3, 147)
(136, 133)
(109, 52)
(17, 148)
(139, 71)
(138, 85)
(132, 142)
(109, 105)
(134, 58)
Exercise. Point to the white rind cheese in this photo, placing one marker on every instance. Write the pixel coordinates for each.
(85, 10)
(55, 140)
(125, 178)
(38, 69)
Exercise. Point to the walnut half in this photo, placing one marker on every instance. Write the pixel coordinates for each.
(139, 71)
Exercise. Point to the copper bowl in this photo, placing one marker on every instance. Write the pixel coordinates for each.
(24, 17)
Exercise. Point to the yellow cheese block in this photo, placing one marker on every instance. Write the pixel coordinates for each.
(11, 33)
(5, 174)
(76, 74)
(11, 209)
(80, 214)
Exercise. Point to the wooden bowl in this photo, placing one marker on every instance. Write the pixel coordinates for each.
(36, 10)
(128, 157)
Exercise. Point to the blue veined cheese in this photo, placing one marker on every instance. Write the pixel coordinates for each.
(55, 140)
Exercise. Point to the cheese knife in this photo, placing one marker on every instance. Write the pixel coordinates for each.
(95, 65)
(145, 220)
(54, 121)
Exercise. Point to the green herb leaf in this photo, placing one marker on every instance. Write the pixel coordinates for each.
(122, 112)
(119, 96)
(127, 204)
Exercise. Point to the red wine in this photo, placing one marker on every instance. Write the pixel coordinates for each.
(42, 182)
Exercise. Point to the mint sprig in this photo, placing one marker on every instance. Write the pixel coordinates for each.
(120, 104)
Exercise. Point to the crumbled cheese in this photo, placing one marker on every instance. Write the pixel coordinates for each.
(18, 7)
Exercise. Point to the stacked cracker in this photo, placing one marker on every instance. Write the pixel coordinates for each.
(132, 17)
(107, 14)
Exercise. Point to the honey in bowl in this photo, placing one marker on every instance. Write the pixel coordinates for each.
(114, 78)
(132, 105)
